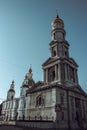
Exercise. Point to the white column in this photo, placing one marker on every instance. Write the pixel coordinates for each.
(56, 72)
(46, 75)
(44, 72)
(66, 72)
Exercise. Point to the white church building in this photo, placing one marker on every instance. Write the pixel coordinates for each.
(56, 102)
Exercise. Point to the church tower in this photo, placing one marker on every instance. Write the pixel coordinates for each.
(27, 83)
(60, 67)
(11, 92)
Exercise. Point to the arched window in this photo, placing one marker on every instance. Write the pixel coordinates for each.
(54, 36)
(54, 53)
(39, 101)
(12, 97)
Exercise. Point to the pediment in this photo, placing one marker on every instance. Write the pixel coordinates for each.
(50, 60)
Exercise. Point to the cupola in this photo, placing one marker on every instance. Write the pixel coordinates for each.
(57, 23)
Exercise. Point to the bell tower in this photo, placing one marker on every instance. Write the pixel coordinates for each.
(58, 46)
(60, 67)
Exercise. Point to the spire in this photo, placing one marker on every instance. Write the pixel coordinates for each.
(12, 85)
(57, 16)
(30, 70)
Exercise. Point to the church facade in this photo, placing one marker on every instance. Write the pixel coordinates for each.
(58, 101)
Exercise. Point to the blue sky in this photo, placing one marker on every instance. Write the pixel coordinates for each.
(25, 34)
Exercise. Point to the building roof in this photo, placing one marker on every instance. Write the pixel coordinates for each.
(53, 59)
(50, 60)
(45, 86)
(31, 82)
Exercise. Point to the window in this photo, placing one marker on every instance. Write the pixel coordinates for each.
(54, 51)
(39, 101)
(66, 53)
(72, 77)
(24, 103)
(62, 99)
(54, 36)
(53, 75)
(77, 103)
(12, 97)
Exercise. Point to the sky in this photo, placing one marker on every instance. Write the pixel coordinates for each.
(25, 34)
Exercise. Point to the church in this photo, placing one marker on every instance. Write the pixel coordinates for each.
(56, 102)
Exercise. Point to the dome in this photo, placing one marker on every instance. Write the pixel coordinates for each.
(31, 82)
(57, 20)
(11, 90)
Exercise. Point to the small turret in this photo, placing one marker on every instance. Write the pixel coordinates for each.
(11, 92)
